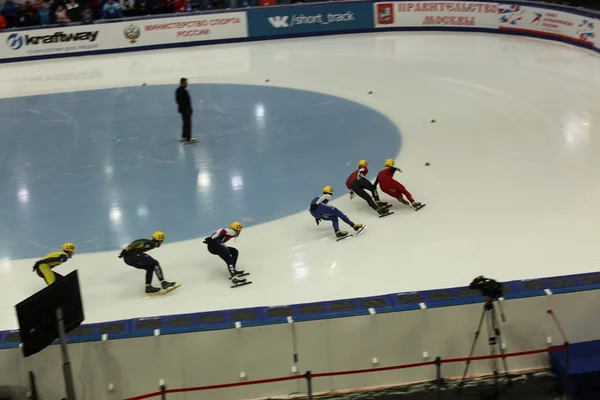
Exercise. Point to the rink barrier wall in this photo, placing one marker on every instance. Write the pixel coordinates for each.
(261, 316)
(552, 22)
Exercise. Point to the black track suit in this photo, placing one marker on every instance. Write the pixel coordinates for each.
(358, 183)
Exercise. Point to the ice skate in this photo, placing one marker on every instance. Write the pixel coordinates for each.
(383, 204)
(406, 203)
(167, 285)
(417, 206)
(341, 235)
(236, 280)
(383, 212)
(358, 228)
(239, 274)
(152, 289)
(191, 141)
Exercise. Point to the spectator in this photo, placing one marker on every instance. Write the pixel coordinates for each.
(112, 10)
(61, 15)
(96, 9)
(27, 14)
(167, 7)
(2, 22)
(181, 6)
(44, 13)
(9, 11)
(87, 16)
(127, 7)
(74, 10)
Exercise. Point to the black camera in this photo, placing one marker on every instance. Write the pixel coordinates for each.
(488, 287)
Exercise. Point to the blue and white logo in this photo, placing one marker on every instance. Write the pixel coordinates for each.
(279, 21)
(14, 41)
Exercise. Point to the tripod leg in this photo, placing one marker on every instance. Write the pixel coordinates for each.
(493, 342)
(498, 336)
(462, 381)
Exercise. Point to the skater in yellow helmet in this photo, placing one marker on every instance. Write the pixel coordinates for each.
(215, 244)
(44, 267)
(320, 210)
(135, 256)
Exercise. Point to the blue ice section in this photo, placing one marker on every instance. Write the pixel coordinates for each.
(104, 167)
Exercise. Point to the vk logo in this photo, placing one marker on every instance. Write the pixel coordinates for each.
(14, 41)
(279, 22)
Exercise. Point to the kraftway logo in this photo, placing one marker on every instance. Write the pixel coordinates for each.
(280, 21)
(16, 41)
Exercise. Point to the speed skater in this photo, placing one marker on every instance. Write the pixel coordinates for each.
(322, 211)
(215, 244)
(43, 268)
(391, 187)
(357, 183)
(135, 256)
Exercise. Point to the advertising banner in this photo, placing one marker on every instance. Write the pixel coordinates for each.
(50, 41)
(549, 22)
(436, 13)
(119, 35)
(310, 19)
(185, 29)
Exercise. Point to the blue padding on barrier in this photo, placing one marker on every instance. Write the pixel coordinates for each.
(259, 316)
(583, 368)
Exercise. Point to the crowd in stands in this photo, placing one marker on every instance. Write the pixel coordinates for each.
(45, 12)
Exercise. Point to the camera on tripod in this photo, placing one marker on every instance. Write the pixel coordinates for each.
(488, 287)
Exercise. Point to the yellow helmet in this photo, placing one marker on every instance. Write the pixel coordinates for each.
(236, 226)
(363, 163)
(389, 163)
(159, 236)
(70, 247)
(328, 190)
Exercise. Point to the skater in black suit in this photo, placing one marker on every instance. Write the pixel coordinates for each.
(184, 107)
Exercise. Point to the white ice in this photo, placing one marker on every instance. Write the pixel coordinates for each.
(512, 191)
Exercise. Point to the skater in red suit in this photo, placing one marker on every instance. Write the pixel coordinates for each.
(391, 187)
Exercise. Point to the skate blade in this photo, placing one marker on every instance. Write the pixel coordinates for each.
(161, 293)
(361, 230)
(345, 237)
(385, 215)
(418, 208)
(241, 284)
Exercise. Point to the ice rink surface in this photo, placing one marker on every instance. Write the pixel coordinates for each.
(512, 190)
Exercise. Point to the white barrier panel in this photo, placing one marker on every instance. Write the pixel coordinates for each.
(186, 29)
(123, 35)
(434, 13)
(547, 22)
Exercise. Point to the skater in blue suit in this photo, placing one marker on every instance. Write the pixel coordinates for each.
(322, 211)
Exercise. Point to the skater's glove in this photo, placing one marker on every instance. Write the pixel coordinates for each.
(318, 221)
(205, 240)
(398, 169)
(122, 253)
(352, 195)
(313, 207)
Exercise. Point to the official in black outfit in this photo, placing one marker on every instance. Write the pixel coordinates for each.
(184, 105)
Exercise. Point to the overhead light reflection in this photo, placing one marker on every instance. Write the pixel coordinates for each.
(108, 170)
(23, 195)
(116, 215)
(203, 180)
(259, 111)
(237, 182)
(142, 211)
(576, 130)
